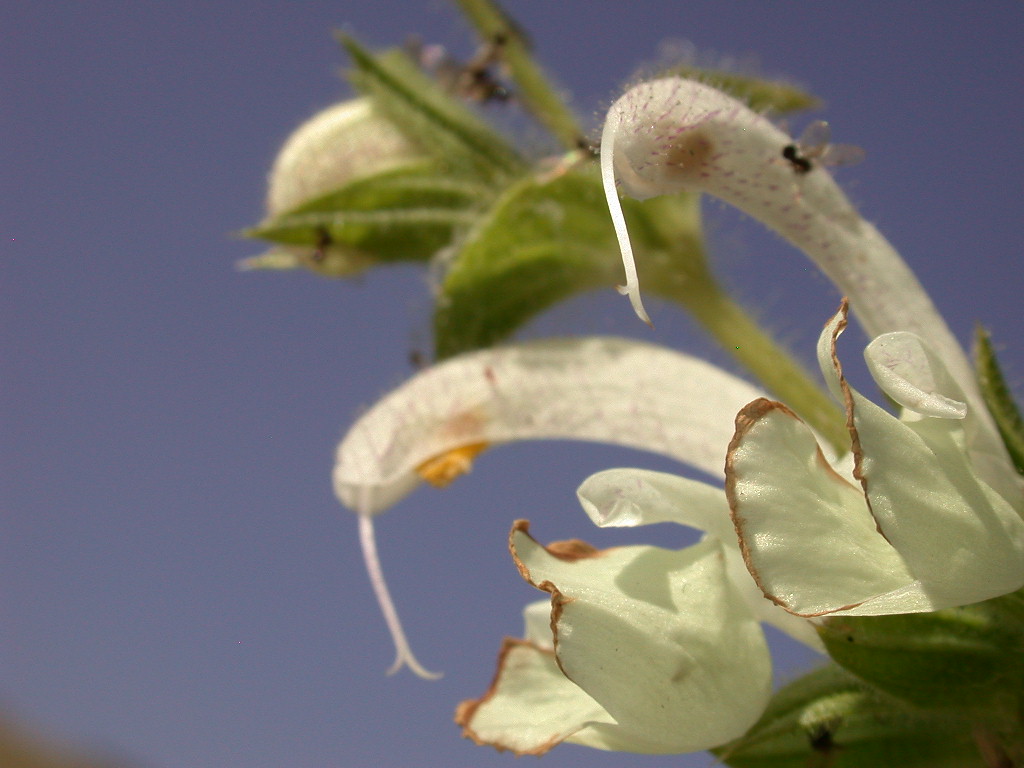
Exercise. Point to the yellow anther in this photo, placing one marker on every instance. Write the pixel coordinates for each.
(442, 469)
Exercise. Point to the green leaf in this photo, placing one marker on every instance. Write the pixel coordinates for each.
(830, 719)
(758, 93)
(967, 660)
(546, 240)
(541, 243)
(427, 115)
(402, 215)
(998, 397)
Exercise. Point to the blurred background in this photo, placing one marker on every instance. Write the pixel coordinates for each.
(178, 585)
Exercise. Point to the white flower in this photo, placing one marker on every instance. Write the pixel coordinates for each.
(641, 649)
(928, 524)
(653, 650)
(600, 389)
(672, 134)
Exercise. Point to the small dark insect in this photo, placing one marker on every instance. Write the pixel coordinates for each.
(800, 164)
(477, 82)
(473, 80)
(822, 742)
(813, 147)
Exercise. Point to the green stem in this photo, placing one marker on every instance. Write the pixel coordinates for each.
(684, 278)
(534, 88)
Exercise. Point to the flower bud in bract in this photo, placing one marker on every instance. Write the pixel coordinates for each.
(340, 145)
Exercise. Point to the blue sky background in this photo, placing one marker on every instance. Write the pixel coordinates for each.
(178, 586)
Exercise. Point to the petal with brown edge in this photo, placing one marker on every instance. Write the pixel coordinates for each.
(661, 639)
(806, 533)
(959, 540)
(530, 706)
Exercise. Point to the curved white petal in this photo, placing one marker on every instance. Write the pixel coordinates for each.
(623, 498)
(661, 639)
(806, 533)
(602, 389)
(537, 623)
(912, 375)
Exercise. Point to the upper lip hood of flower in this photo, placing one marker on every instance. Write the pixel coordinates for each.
(339, 144)
(926, 529)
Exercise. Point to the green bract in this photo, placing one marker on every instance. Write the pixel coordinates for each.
(460, 140)
(370, 220)
(967, 660)
(999, 398)
(830, 718)
(543, 241)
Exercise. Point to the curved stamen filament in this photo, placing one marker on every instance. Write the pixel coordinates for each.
(403, 653)
(632, 286)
